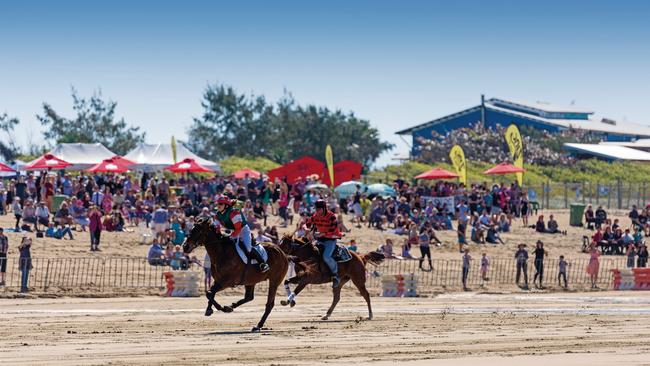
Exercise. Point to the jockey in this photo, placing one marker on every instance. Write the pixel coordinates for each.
(327, 231)
(233, 221)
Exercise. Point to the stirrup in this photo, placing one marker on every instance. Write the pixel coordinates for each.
(264, 267)
(335, 281)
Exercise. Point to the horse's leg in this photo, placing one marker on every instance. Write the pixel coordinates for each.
(298, 279)
(270, 302)
(359, 281)
(335, 299)
(249, 295)
(210, 296)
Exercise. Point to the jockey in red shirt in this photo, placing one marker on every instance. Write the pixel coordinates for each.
(234, 221)
(327, 231)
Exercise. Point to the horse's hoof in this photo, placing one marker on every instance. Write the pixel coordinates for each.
(255, 330)
(284, 302)
(227, 309)
(369, 317)
(292, 303)
(209, 312)
(325, 317)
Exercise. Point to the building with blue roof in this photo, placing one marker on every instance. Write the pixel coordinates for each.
(543, 116)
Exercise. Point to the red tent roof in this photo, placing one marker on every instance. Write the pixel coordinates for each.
(122, 160)
(47, 161)
(298, 168)
(110, 166)
(6, 168)
(240, 174)
(188, 166)
(437, 173)
(504, 168)
(344, 170)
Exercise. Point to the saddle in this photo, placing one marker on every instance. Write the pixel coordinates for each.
(341, 254)
(241, 251)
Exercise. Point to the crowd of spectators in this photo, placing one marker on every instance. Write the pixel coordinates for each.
(487, 144)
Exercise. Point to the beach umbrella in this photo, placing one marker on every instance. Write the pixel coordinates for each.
(6, 169)
(47, 161)
(318, 187)
(348, 188)
(188, 166)
(109, 166)
(241, 174)
(437, 173)
(381, 189)
(504, 168)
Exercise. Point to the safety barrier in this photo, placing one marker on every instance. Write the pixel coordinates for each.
(631, 279)
(182, 283)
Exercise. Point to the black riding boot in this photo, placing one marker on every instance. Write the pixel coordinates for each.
(254, 254)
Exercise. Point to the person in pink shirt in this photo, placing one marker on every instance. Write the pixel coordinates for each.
(95, 226)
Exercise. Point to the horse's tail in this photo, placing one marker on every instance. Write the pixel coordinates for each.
(373, 257)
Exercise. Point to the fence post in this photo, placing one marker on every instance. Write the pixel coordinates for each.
(566, 195)
(609, 196)
(584, 199)
(47, 275)
(597, 193)
(548, 193)
(619, 195)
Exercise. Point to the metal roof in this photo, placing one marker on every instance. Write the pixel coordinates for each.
(611, 152)
(541, 106)
(591, 124)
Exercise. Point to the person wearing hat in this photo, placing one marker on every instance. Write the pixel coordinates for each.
(522, 264)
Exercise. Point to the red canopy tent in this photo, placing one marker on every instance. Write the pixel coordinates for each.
(6, 169)
(122, 160)
(110, 166)
(504, 168)
(437, 173)
(298, 168)
(47, 161)
(240, 174)
(188, 166)
(344, 171)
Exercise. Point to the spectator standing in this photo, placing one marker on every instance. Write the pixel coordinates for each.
(522, 264)
(631, 253)
(95, 227)
(540, 253)
(4, 248)
(466, 262)
(594, 266)
(18, 212)
(25, 262)
(642, 256)
(160, 221)
(562, 265)
(425, 250)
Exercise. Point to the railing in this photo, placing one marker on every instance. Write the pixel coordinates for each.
(123, 274)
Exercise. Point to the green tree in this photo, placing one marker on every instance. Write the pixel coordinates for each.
(8, 148)
(94, 122)
(234, 124)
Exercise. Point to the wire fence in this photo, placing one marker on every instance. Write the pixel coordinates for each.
(559, 195)
(109, 275)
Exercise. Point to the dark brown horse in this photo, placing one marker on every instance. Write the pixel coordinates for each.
(229, 271)
(311, 269)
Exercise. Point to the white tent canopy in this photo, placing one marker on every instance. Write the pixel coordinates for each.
(608, 152)
(153, 157)
(82, 156)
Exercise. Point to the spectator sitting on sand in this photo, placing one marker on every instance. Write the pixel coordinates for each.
(156, 255)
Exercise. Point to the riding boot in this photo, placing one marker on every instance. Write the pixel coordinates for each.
(254, 254)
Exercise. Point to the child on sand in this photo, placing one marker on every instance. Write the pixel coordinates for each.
(485, 266)
(562, 265)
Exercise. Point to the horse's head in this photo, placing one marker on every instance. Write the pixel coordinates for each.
(286, 243)
(199, 234)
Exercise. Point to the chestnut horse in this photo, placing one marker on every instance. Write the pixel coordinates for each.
(311, 269)
(229, 271)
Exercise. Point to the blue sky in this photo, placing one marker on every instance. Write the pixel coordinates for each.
(396, 63)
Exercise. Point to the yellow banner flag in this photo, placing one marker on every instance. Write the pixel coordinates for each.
(330, 163)
(457, 157)
(174, 149)
(516, 146)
